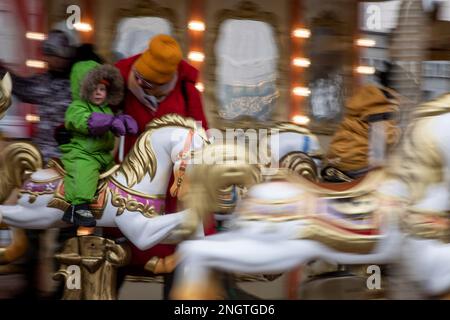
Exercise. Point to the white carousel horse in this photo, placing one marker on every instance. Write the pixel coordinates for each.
(422, 173)
(131, 196)
(398, 217)
(282, 224)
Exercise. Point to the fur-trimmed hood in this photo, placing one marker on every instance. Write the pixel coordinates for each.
(85, 76)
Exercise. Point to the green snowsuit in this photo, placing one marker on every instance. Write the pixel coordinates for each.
(85, 156)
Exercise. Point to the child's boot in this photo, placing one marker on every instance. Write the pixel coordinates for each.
(83, 216)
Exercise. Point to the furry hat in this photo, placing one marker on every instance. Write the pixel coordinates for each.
(104, 72)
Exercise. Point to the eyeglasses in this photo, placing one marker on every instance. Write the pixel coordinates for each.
(144, 83)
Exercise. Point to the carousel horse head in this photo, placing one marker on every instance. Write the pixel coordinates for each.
(5, 94)
(222, 168)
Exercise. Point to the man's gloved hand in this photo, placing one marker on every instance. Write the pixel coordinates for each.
(99, 123)
(129, 122)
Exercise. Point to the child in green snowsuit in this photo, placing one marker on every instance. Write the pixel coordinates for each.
(93, 126)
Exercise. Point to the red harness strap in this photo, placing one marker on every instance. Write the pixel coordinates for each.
(183, 155)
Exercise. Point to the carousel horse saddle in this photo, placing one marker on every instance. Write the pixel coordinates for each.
(58, 167)
(51, 181)
(344, 217)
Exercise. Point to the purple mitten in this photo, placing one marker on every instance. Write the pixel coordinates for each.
(129, 122)
(118, 127)
(99, 123)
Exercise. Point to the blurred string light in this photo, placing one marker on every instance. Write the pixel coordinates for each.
(363, 42)
(301, 62)
(196, 56)
(301, 91)
(32, 118)
(200, 87)
(365, 70)
(301, 120)
(35, 36)
(82, 27)
(36, 64)
(195, 25)
(301, 33)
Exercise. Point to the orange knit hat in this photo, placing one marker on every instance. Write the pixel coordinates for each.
(160, 61)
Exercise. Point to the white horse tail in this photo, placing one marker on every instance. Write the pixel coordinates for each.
(17, 161)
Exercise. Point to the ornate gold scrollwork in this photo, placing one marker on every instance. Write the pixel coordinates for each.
(301, 164)
(131, 204)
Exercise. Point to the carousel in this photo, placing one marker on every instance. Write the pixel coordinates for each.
(374, 201)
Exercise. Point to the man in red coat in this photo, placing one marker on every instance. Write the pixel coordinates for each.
(158, 82)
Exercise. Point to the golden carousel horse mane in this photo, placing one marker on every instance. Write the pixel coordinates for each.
(418, 162)
(141, 159)
(16, 160)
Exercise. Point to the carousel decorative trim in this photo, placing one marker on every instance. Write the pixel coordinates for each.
(244, 10)
(97, 206)
(38, 188)
(143, 8)
(149, 207)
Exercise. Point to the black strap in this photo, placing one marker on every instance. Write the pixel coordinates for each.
(385, 116)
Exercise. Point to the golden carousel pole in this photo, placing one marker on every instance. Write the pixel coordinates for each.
(296, 7)
(407, 52)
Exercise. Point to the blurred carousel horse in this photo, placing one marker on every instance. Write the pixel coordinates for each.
(400, 216)
(283, 223)
(18, 244)
(286, 145)
(130, 196)
(422, 171)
